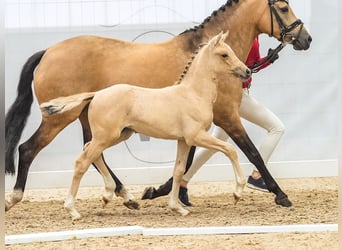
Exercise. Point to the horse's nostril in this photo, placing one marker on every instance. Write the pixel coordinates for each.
(248, 71)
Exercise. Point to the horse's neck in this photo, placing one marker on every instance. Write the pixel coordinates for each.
(239, 19)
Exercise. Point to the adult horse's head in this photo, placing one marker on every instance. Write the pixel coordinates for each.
(282, 23)
(223, 58)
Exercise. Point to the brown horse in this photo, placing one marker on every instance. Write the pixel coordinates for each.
(90, 63)
(182, 112)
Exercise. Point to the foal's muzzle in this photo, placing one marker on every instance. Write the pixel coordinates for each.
(243, 74)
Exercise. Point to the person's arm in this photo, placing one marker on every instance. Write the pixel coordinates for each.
(255, 58)
(265, 65)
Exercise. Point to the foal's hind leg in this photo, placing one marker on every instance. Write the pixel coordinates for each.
(46, 132)
(205, 140)
(128, 198)
(120, 190)
(91, 153)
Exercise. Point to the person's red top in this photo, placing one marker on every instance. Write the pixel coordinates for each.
(252, 59)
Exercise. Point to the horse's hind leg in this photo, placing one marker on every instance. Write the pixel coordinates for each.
(203, 139)
(120, 190)
(46, 132)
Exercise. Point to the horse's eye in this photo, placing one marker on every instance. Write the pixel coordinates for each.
(224, 55)
(284, 9)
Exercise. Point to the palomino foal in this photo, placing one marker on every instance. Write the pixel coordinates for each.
(182, 112)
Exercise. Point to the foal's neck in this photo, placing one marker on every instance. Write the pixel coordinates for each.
(201, 79)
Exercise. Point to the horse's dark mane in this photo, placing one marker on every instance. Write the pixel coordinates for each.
(223, 8)
(207, 20)
(187, 67)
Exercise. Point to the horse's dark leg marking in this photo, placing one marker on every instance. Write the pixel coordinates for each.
(165, 189)
(28, 151)
(253, 155)
(190, 158)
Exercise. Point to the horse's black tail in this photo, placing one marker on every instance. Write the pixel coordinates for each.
(18, 113)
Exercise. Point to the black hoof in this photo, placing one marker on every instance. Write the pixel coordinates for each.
(148, 193)
(283, 201)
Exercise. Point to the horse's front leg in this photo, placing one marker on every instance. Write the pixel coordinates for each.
(178, 172)
(234, 128)
(120, 190)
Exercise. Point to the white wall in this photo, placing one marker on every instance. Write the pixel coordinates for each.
(301, 88)
(71, 13)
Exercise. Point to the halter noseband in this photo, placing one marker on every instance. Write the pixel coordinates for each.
(285, 30)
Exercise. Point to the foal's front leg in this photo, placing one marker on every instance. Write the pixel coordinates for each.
(205, 140)
(178, 172)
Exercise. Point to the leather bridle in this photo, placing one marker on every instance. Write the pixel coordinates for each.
(285, 32)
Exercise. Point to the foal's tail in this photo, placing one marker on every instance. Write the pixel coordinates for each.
(18, 113)
(66, 103)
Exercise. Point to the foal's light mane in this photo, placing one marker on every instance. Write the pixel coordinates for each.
(187, 67)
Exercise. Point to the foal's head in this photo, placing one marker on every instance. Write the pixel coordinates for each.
(222, 60)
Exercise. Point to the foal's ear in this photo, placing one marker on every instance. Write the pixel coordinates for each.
(216, 39)
(224, 36)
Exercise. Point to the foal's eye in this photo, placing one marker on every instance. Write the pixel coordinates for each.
(224, 55)
(284, 9)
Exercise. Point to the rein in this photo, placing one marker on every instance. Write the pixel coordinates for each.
(269, 58)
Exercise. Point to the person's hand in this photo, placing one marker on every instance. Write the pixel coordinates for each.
(272, 55)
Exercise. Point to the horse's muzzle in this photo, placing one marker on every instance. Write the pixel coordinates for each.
(302, 43)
